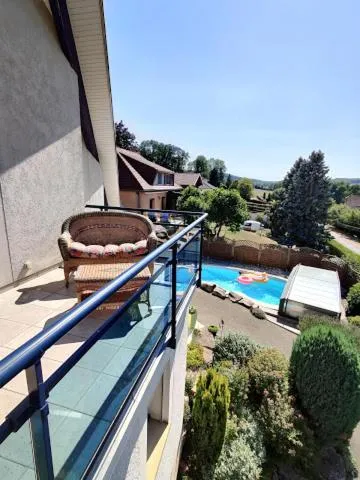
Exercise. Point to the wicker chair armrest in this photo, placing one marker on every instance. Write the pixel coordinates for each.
(64, 242)
(152, 241)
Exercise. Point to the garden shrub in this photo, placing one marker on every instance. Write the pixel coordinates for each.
(354, 321)
(325, 377)
(353, 299)
(267, 369)
(237, 462)
(209, 415)
(234, 347)
(310, 319)
(251, 432)
(195, 356)
(276, 417)
(238, 379)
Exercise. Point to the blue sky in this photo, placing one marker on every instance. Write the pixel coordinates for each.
(256, 83)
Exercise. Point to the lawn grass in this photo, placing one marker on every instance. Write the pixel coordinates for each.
(248, 236)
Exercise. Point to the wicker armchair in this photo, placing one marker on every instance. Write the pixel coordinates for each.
(105, 237)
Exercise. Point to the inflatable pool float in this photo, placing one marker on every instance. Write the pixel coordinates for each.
(246, 280)
(260, 277)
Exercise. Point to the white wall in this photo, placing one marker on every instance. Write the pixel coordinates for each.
(46, 173)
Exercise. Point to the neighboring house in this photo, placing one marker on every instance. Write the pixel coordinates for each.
(57, 149)
(192, 179)
(353, 201)
(143, 184)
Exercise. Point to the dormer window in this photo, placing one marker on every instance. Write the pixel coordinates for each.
(164, 179)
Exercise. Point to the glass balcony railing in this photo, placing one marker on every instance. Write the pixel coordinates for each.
(58, 429)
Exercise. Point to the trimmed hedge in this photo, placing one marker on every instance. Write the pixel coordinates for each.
(234, 347)
(310, 319)
(353, 299)
(351, 258)
(325, 376)
(195, 356)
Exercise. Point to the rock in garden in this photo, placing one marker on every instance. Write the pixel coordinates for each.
(246, 303)
(331, 465)
(235, 297)
(208, 287)
(258, 312)
(219, 292)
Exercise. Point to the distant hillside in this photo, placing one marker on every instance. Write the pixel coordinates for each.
(352, 181)
(264, 184)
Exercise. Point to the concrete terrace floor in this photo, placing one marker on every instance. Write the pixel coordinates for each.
(212, 309)
(83, 404)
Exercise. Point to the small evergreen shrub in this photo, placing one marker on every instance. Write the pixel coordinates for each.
(209, 415)
(195, 356)
(213, 329)
(239, 387)
(354, 321)
(238, 462)
(310, 319)
(325, 376)
(234, 347)
(267, 370)
(353, 298)
(276, 417)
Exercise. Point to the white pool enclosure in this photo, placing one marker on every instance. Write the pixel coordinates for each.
(313, 290)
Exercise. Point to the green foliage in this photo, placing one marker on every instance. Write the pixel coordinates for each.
(234, 347)
(217, 176)
(228, 181)
(226, 208)
(350, 257)
(353, 299)
(267, 371)
(325, 376)
(344, 214)
(195, 356)
(276, 417)
(166, 155)
(339, 190)
(310, 319)
(238, 462)
(250, 430)
(238, 379)
(213, 329)
(299, 211)
(201, 165)
(209, 414)
(124, 138)
(245, 187)
(354, 321)
(192, 310)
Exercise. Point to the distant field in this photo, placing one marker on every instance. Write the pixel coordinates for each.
(260, 192)
(249, 236)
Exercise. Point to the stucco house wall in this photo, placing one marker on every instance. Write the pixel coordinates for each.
(129, 199)
(126, 453)
(156, 196)
(46, 173)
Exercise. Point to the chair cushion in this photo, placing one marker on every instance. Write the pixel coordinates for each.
(79, 250)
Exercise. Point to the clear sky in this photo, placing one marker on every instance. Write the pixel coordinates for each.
(256, 83)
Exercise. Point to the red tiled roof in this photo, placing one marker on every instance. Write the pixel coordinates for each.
(187, 178)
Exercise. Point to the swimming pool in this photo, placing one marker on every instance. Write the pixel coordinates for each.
(268, 292)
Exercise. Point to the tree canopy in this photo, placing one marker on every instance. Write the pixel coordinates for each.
(299, 210)
(124, 138)
(201, 165)
(245, 187)
(166, 155)
(217, 176)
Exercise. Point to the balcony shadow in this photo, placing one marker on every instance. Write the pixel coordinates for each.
(43, 292)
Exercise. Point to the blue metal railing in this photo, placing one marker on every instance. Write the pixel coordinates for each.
(178, 250)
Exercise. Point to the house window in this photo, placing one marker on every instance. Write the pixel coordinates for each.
(151, 203)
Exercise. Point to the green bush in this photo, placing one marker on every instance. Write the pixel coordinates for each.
(352, 259)
(237, 462)
(251, 432)
(276, 417)
(310, 319)
(209, 414)
(213, 329)
(354, 321)
(234, 347)
(325, 377)
(195, 356)
(238, 379)
(353, 298)
(267, 370)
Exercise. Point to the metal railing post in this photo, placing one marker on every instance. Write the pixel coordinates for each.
(172, 343)
(200, 253)
(39, 425)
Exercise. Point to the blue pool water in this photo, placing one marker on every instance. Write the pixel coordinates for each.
(269, 292)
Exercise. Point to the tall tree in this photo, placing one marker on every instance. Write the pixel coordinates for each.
(245, 187)
(217, 176)
(226, 208)
(124, 138)
(228, 183)
(200, 165)
(166, 155)
(339, 191)
(299, 211)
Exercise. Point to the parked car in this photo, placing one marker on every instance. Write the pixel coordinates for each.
(252, 225)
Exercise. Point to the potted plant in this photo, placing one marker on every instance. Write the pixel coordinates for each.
(213, 329)
(192, 317)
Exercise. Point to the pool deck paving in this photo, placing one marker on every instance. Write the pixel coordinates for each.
(237, 318)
